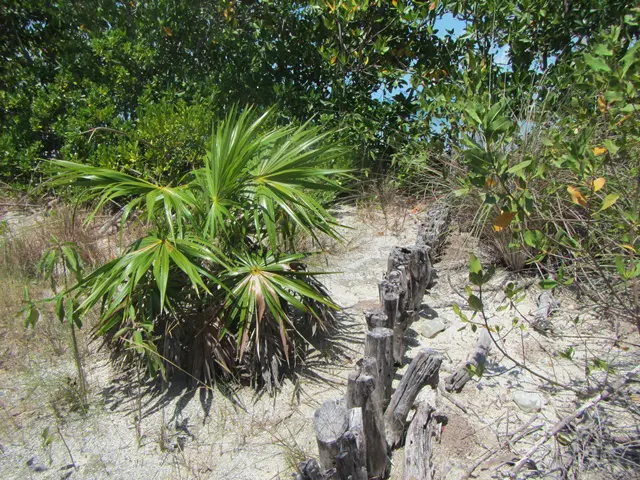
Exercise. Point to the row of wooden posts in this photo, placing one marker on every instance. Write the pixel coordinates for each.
(356, 433)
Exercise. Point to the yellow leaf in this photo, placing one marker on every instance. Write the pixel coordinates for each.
(599, 151)
(491, 182)
(598, 183)
(629, 247)
(394, 2)
(624, 119)
(168, 32)
(333, 59)
(503, 220)
(602, 105)
(576, 196)
(433, 5)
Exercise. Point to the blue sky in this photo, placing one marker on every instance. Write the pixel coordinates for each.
(449, 22)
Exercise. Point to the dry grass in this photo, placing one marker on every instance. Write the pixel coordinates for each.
(26, 231)
(27, 235)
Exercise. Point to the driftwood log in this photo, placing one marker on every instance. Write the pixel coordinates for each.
(423, 370)
(360, 389)
(546, 305)
(458, 379)
(433, 229)
(331, 421)
(378, 345)
(418, 450)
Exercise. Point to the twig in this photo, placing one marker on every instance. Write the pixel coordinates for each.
(93, 130)
(446, 395)
(515, 437)
(606, 393)
(67, 447)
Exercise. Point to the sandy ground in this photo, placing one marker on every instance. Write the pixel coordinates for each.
(209, 434)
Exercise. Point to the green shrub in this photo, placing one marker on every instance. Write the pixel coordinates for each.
(216, 286)
(563, 188)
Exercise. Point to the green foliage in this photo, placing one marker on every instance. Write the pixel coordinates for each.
(561, 195)
(219, 248)
(61, 262)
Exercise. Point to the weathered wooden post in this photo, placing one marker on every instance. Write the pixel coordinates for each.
(434, 227)
(310, 470)
(356, 428)
(360, 389)
(423, 370)
(378, 345)
(331, 421)
(418, 450)
(349, 464)
(408, 273)
(390, 300)
(377, 318)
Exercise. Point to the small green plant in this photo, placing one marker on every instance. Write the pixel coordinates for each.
(513, 295)
(46, 438)
(61, 264)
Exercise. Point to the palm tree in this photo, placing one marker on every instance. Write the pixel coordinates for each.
(216, 286)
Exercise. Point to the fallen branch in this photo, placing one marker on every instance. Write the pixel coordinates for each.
(456, 381)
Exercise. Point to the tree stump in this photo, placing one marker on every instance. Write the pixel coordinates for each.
(458, 379)
(378, 344)
(423, 370)
(331, 420)
(418, 450)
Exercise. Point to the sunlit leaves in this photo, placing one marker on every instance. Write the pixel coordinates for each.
(609, 200)
(598, 183)
(209, 238)
(596, 63)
